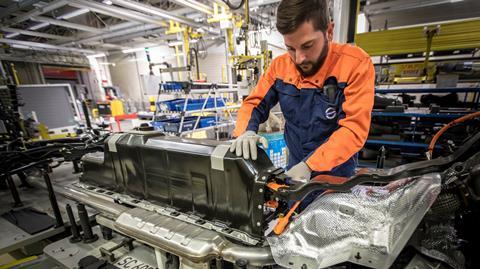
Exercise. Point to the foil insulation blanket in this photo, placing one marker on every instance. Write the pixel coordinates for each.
(368, 226)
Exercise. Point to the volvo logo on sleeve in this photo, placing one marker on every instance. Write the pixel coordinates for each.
(330, 113)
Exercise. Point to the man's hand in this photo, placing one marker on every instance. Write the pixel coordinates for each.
(299, 173)
(247, 144)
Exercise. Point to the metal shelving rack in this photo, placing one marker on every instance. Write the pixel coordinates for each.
(429, 90)
(474, 90)
(398, 144)
(415, 117)
(214, 91)
(418, 115)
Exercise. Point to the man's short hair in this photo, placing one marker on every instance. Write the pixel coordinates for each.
(293, 13)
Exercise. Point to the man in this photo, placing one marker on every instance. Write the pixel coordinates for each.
(325, 90)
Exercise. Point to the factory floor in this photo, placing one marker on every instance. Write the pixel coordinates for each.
(18, 245)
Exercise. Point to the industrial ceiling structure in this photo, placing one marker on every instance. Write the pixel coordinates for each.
(70, 30)
(75, 28)
(387, 14)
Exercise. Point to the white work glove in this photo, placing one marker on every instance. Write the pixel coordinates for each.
(299, 173)
(247, 144)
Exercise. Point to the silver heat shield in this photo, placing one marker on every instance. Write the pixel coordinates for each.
(368, 226)
(179, 235)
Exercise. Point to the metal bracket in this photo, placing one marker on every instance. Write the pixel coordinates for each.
(108, 253)
(298, 192)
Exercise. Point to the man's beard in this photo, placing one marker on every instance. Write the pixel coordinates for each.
(315, 65)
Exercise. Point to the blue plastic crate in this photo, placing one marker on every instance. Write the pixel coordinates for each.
(277, 149)
(170, 105)
(211, 102)
(197, 104)
(174, 86)
(206, 122)
(173, 125)
(193, 104)
(160, 124)
(190, 106)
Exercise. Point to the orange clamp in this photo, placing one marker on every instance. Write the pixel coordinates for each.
(283, 221)
(275, 186)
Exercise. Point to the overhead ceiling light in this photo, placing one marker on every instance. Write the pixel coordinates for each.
(21, 47)
(196, 6)
(72, 14)
(175, 43)
(179, 43)
(97, 55)
(137, 60)
(38, 26)
(112, 64)
(133, 50)
(12, 35)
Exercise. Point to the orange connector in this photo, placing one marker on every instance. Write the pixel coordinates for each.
(275, 186)
(283, 221)
(272, 204)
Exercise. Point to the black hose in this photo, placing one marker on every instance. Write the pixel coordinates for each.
(36, 150)
(86, 114)
(33, 153)
(196, 63)
(66, 140)
(14, 158)
(25, 167)
(232, 6)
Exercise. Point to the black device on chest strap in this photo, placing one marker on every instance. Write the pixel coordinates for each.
(330, 87)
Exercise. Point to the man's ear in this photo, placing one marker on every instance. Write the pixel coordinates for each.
(330, 27)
